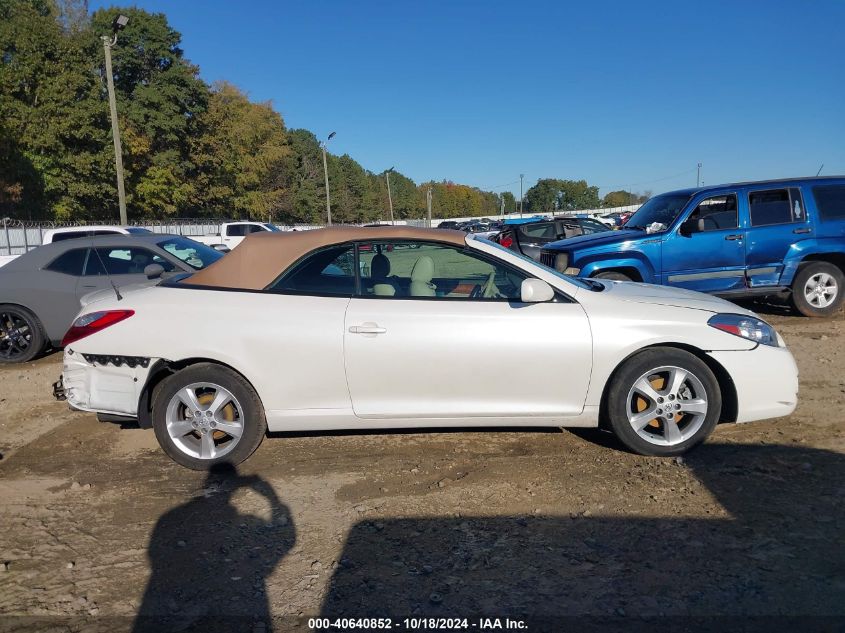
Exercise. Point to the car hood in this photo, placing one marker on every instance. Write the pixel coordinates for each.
(597, 239)
(675, 297)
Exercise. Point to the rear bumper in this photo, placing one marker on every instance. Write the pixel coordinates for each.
(766, 381)
(104, 384)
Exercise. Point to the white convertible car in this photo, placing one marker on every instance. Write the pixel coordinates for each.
(387, 327)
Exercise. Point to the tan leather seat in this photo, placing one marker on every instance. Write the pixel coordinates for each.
(421, 276)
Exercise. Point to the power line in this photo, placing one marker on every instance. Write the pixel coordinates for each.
(648, 182)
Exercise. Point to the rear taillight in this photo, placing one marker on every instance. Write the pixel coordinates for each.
(88, 324)
(506, 240)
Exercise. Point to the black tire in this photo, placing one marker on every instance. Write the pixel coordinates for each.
(251, 417)
(17, 347)
(804, 276)
(616, 400)
(613, 275)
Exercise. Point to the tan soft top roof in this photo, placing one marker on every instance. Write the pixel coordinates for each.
(262, 257)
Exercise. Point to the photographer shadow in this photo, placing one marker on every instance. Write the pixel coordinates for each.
(210, 562)
(779, 555)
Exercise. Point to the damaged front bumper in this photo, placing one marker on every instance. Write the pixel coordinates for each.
(101, 383)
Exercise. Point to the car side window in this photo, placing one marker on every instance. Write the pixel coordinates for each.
(589, 226)
(253, 228)
(329, 271)
(776, 206)
(423, 270)
(715, 214)
(830, 201)
(69, 263)
(236, 230)
(123, 261)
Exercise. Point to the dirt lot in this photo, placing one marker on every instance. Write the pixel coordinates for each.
(96, 521)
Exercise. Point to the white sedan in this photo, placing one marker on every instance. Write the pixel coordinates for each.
(389, 327)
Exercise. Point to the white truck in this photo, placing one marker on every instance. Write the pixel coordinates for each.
(73, 232)
(232, 233)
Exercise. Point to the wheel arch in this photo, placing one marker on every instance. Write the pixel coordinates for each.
(163, 368)
(727, 388)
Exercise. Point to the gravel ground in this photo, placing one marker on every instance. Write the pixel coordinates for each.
(564, 529)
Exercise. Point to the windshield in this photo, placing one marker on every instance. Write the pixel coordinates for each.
(137, 230)
(193, 253)
(662, 209)
(271, 227)
(573, 280)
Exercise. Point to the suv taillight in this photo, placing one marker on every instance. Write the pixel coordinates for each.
(88, 324)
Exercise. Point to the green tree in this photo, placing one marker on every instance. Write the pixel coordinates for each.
(510, 202)
(550, 195)
(240, 156)
(160, 98)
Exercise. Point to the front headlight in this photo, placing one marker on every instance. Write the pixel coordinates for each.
(746, 327)
(561, 262)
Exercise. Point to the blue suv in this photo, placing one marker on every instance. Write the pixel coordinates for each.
(743, 239)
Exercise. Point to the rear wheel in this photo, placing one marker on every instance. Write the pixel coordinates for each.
(613, 275)
(208, 414)
(817, 289)
(663, 401)
(21, 334)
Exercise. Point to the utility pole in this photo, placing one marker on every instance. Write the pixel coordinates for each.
(502, 210)
(389, 197)
(521, 176)
(428, 206)
(326, 172)
(698, 176)
(119, 24)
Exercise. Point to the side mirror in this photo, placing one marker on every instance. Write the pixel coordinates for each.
(221, 247)
(536, 291)
(154, 271)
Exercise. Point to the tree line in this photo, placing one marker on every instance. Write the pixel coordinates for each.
(189, 149)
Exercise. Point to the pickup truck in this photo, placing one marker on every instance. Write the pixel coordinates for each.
(735, 240)
(72, 232)
(232, 233)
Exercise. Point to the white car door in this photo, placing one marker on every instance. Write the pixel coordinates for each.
(419, 342)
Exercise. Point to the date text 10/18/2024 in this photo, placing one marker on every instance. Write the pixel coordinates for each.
(417, 624)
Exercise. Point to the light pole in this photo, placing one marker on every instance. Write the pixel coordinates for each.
(119, 24)
(521, 176)
(698, 176)
(389, 197)
(326, 172)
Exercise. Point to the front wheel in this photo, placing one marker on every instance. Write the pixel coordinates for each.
(663, 401)
(208, 414)
(817, 289)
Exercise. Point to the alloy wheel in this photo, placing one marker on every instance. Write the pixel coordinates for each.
(667, 405)
(204, 420)
(820, 290)
(15, 335)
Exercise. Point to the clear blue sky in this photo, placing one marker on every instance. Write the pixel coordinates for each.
(622, 94)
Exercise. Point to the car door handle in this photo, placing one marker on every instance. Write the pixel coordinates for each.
(731, 238)
(799, 231)
(367, 328)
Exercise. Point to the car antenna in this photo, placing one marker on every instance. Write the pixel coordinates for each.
(820, 169)
(111, 281)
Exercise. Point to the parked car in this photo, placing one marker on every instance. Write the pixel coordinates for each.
(736, 240)
(529, 238)
(42, 290)
(232, 233)
(448, 224)
(72, 232)
(320, 344)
